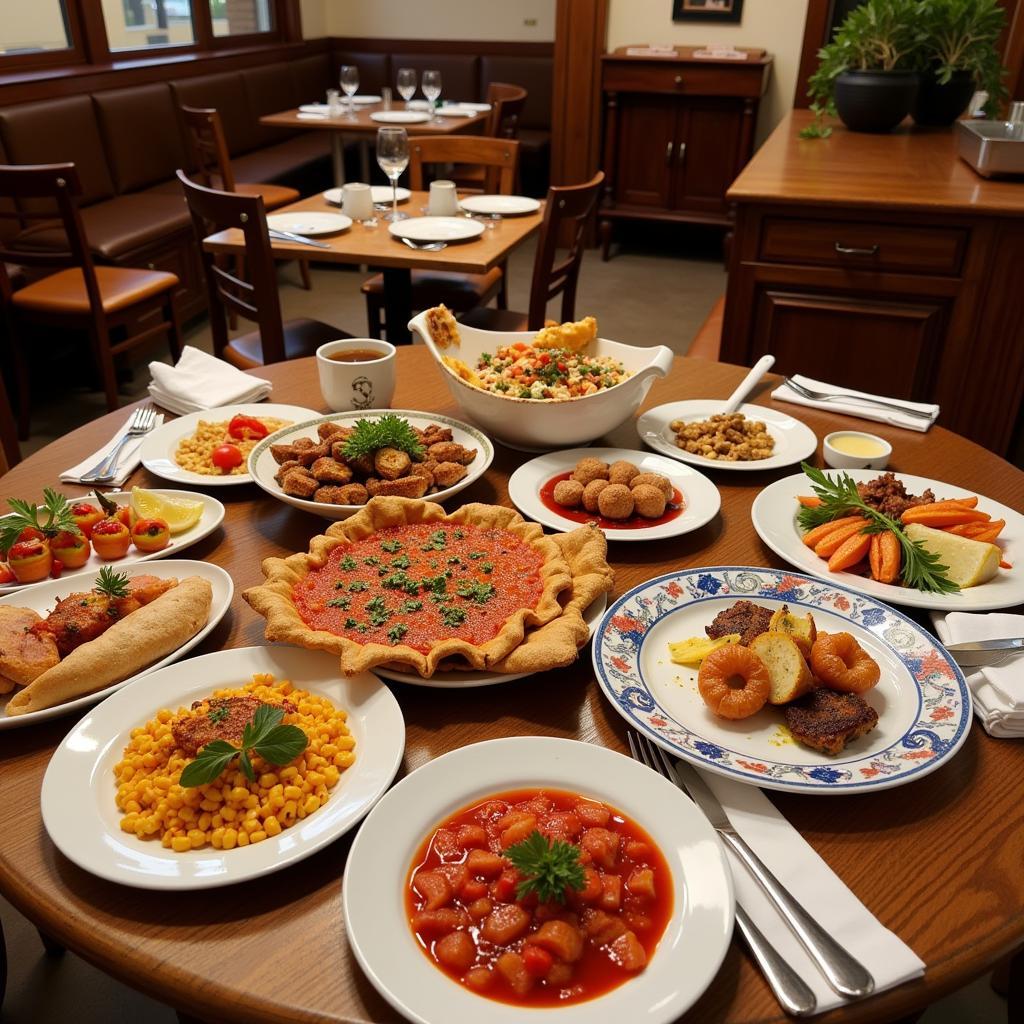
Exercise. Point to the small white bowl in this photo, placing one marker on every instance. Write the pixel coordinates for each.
(837, 459)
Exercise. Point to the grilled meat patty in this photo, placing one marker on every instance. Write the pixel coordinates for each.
(744, 617)
(225, 718)
(827, 721)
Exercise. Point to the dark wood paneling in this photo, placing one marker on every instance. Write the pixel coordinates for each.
(645, 151)
(685, 79)
(710, 129)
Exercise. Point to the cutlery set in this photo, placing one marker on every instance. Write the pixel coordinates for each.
(142, 422)
(827, 396)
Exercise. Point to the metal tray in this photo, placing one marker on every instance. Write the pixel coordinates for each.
(992, 148)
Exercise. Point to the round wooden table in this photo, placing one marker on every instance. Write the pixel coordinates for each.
(939, 862)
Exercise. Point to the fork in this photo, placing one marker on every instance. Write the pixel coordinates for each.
(142, 422)
(823, 396)
(425, 246)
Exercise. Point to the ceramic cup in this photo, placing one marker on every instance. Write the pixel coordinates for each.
(443, 201)
(357, 201)
(362, 385)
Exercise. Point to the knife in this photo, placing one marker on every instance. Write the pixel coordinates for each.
(842, 971)
(287, 236)
(985, 652)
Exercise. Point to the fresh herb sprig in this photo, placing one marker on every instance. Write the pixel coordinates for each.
(264, 735)
(549, 867)
(921, 569)
(26, 514)
(389, 431)
(111, 583)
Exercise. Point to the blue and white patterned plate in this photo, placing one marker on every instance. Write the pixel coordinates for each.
(923, 704)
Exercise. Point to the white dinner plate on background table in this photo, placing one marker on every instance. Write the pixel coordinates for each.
(505, 206)
(378, 193)
(77, 799)
(400, 116)
(436, 229)
(682, 966)
(44, 596)
(922, 700)
(309, 223)
(364, 99)
(794, 440)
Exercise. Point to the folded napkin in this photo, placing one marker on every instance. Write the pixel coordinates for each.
(315, 108)
(997, 690)
(455, 110)
(813, 883)
(853, 407)
(200, 381)
(127, 461)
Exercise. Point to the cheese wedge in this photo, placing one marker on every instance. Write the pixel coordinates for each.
(969, 562)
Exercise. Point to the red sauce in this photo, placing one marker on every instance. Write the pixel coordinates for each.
(422, 583)
(673, 509)
(620, 870)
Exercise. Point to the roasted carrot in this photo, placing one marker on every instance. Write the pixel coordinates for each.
(820, 532)
(809, 500)
(950, 515)
(972, 530)
(884, 557)
(988, 536)
(1004, 564)
(829, 545)
(971, 501)
(850, 552)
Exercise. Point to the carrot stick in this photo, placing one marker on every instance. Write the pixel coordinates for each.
(875, 556)
(850, 552)
(827, 547)
(939, 517)
(809, 500)
(1004, 564)
(945, 505)
(967, 529)
(987, 536)
(971, 501)
(813, 536)
(892, 557)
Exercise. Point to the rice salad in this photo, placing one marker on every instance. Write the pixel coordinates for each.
(522, 370)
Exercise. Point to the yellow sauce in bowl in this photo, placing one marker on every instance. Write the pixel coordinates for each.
(857, 446)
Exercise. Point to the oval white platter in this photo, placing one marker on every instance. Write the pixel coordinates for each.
(77, 799)
(399, 117)
(505, 206)
(697, 934)
(212, 517)
(157, 451)
(794, 440)
(43, 597)
(700, 496)
(922, 700)
(262, 466)
(436, 229)
(774, 515)
(378, 193)
(309, 222)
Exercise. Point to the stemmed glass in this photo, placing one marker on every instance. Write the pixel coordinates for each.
(406, 83)
(349, 86)
(431, 86)
(393, 158)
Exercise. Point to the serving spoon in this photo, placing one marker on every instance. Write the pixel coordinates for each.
(759, 369)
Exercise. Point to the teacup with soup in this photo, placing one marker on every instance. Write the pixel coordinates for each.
(356, 373)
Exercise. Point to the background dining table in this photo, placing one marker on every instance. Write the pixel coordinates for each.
(938, 862)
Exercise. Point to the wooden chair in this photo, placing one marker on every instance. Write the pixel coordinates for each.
(507, 102)
(10, 451)
(499, 158)
(103, 302)
(566, 214)
(708, 342)
(255, 299)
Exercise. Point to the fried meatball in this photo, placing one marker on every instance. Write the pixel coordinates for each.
(433, 433)
(591, 492)
(332, 494)
(650, 502)
(299, 483)
(329, 431)
(327, 471)
(615, 502)
(307, 456)
(450, 451)
(422, 469)
(363, 466)
(568, 493)
(654, 480)
(404, 487)
(447, 474)
(590, 469)
(390, 463)
(350, 494)
(622, 472)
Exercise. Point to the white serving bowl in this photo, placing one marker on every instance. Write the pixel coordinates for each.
(540, 425)
(837, 459)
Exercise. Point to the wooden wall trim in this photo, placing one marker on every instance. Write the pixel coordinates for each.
(470, 46)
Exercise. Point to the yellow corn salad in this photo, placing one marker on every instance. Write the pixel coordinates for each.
(231, 811)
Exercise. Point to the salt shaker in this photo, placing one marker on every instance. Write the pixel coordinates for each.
(385, 97)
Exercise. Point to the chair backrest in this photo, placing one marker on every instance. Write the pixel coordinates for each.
(498, 157)
(10, 451)
(568, 210)
(507, 102)
(209, 147)
(255, 299)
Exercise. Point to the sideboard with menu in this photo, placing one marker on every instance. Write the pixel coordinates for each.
(884, 263)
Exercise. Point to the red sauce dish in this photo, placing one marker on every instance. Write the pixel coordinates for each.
(470, 917)
(673, 510)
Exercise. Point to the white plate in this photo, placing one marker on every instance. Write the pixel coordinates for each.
(436, 229)
(700, 496)
(43, 597)
(687, 957)
(309, 223)
(77, 799)
(212, 517)
(923, 704)
(378, 193)
(455, 110)
(774, 515)
(505, 206)
(157, 451)
(794, 441)
(365, 99)
(399, 117)
(262, 466)
(470, 680)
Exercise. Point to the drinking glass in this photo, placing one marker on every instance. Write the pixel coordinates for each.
(431, 86)
(350, 86)
(406, 83)
(393, 158)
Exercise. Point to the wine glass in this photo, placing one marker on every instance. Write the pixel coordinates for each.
(393, 158)
(431, 86)
(406, 83)
(349, 86)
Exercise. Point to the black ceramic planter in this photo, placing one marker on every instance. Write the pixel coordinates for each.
(874, 101)
(939, 105)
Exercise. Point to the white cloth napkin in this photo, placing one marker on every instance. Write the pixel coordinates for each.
(853, 407)
(315, 108)
(813, 883)
(200, 381)
(455, 110)
(127, 461)
(997, 690)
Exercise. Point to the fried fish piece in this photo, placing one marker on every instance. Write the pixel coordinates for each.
(571, 336)
(24, 655)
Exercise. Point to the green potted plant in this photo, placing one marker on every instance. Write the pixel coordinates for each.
(957, 55)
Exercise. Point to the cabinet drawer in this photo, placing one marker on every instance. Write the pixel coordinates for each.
(744, 81)
(859, 245)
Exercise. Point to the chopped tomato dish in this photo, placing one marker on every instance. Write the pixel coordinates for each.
(466, 908)
(420, 583)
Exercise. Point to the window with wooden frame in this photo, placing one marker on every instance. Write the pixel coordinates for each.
(44, 32)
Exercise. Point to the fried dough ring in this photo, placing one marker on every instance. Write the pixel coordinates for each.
(718, 675)
(842, 664)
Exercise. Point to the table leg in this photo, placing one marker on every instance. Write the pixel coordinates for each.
(397, 304)
(364, 159)
(338, 158)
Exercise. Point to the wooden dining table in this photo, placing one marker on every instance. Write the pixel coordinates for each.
(937, 861)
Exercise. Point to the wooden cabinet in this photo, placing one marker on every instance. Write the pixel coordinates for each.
(677, 131)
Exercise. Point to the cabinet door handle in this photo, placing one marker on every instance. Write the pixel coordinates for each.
(679, 79)
(846, 250)
(668, 152)
(682, 151)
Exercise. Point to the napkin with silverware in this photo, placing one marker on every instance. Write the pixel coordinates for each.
(858, 403)
(127, 461)
(201, 381)
(813, 883)
(997, 689)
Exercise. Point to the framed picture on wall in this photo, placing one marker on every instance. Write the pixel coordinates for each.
(722, 11)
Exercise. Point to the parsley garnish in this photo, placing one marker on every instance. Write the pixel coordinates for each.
(401, 562)
(436, 542)
(400, 580)
(435, 584)
(217, 715)
(549, 868)
(410, 606)
(487, 567)
(111, 583)
(391, 546)
(396, 632)
(452, 616)
(388, 431)
(372, 560)
(348, 562)
(379, 613)
(24, 514)
(459, 534)
(339, 602)
(479, 593)
(357, 585)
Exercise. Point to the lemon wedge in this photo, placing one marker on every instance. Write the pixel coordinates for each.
(180, 514)
(697, 648)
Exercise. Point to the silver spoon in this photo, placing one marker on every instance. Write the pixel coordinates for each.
(760, 368)
(425, 246)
